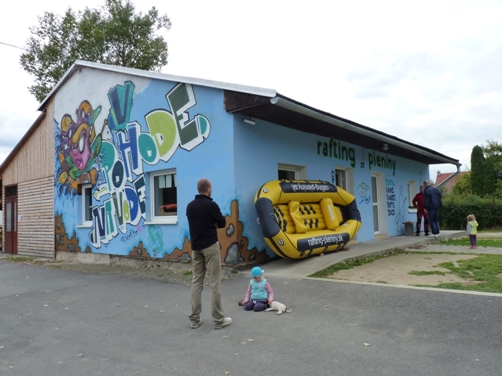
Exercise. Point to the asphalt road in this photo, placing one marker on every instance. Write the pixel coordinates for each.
(55, 322)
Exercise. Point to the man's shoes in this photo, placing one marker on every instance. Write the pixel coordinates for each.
(426, 234)
(195, 325)
(417, 234)
(226, 322)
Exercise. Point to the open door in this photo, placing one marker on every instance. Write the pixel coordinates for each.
(10, 220)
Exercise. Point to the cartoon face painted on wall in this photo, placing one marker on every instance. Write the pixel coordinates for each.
(85, 113)
(80, 147)
(68, 128)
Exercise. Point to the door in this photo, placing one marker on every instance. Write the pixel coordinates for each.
(374, 196)
(10, 220)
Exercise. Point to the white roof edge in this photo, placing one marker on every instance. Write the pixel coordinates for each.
(161, 76)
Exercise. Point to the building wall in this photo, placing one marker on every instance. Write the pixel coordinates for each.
(35, 159)
(136, 127)
(32, 170)
(35, 220)
(261, 148)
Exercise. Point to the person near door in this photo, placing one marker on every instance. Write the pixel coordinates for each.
(432, 203)
(418, 203)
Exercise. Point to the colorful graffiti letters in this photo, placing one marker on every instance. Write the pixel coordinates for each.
(120, 98)
(191, 132)
(118, 154)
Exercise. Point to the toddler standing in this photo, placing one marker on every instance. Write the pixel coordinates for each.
(259, 294)
(472, 230)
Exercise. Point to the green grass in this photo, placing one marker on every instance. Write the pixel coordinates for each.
(496, 243)
(435, 272)
(20, 259)
(349, 264)
(481, 273)
(484, 270)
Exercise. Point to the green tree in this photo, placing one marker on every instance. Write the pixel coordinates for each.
(113, 34)
(462, 187)
(489, 177)
(493, 151)
(477, 173)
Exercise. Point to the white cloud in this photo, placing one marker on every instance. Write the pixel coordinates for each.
(425, 72)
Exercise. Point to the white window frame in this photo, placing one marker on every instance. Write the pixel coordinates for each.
(165, 219)
(86, 207)
(412, 191)
(300, 172)
(347, 175)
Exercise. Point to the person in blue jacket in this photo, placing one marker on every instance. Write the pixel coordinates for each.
(432, 202)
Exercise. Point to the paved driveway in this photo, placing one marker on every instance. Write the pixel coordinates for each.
(58, 322)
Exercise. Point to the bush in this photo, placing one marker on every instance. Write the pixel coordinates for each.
(452, 216)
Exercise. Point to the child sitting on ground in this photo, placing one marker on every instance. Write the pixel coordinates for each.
(259, 295)
(472, 230)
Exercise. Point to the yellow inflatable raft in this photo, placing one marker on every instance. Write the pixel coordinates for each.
(301, 218)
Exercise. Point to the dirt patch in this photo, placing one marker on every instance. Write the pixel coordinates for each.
(395, 270)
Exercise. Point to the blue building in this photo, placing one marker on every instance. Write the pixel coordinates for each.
(128, 147)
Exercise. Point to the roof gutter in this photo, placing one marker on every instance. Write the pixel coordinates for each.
(281, 102)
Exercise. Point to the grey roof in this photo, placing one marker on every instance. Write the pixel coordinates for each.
(268, 105)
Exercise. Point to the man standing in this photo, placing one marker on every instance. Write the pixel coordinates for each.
(432, 202)
(418, 203)
(204, 216)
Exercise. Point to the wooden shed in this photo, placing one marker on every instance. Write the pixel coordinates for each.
(27, 180)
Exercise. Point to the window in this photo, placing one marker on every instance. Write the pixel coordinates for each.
(87, 204)
(343, 178)
(412, 191)
(291, 172)
(340, 179)
(11, 191)
(287, 174)
(164, 196)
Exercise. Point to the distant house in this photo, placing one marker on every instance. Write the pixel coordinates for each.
(446, 181)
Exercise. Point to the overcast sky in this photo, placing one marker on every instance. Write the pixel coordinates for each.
(427, 72)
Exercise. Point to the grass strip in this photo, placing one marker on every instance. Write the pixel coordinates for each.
(352, 263)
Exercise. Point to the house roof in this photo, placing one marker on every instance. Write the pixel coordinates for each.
(20, 144)
(295, 115)
(268, 105)
(442, 177)
(448, 180)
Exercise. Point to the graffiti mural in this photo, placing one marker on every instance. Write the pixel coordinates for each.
(113, 152)
(78, 146)
(363, 195)
(396, 203)
(233, 244)
(401, 208)
(112, 161)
